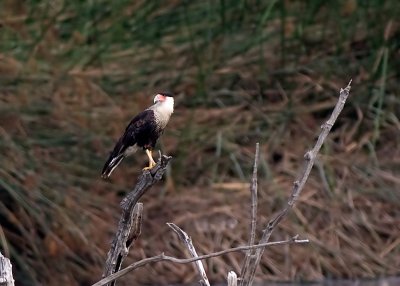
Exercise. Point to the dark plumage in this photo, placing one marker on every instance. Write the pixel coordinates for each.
(143, 131)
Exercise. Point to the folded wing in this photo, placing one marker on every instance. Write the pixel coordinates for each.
(137, 134)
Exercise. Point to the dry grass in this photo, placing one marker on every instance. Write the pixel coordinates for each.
(242, 74)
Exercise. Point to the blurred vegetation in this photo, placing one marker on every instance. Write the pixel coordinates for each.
(72, 73)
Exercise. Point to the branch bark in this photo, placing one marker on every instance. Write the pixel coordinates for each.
(145, 181)
(6, 277)
(129, 225)
(129, 228)
(163, 257)
(248, 275)
(232, 278)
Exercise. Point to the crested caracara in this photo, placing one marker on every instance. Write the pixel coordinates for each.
(142, 132)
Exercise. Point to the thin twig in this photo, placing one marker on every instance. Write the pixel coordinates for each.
(163, 257)
(188, 242)
(253, 191)
(129, 225)
(248, 277)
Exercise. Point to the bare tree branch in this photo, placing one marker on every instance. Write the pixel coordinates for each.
(248, 276)
(129, 228)
(145, 181)
(6, 276)
(163, 257)
(188, 242)
(129, 225)
(253, 191)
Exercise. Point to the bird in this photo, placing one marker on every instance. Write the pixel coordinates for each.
(142, 131)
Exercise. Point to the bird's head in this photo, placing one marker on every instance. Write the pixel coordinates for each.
(164, 97)
(163, 107)
(164, 102)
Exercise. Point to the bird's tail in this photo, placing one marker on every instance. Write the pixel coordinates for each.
(110, 165)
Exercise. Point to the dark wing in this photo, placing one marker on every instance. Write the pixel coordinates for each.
(130, 137)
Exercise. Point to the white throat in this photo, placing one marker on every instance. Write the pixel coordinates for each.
(163, 110)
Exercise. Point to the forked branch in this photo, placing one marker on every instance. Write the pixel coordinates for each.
(248, 274)
(129, 225)
(163, 257)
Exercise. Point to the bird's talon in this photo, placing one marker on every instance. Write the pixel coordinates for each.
(151, 166)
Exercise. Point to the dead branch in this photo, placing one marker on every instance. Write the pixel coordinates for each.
(163, 257)
(129, 225)
(248, 275)
(253, 191)
(6, 277)
(188, 242)
(129, 228)
(145, 181)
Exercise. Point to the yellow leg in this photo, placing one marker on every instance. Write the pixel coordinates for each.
(152, 164)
